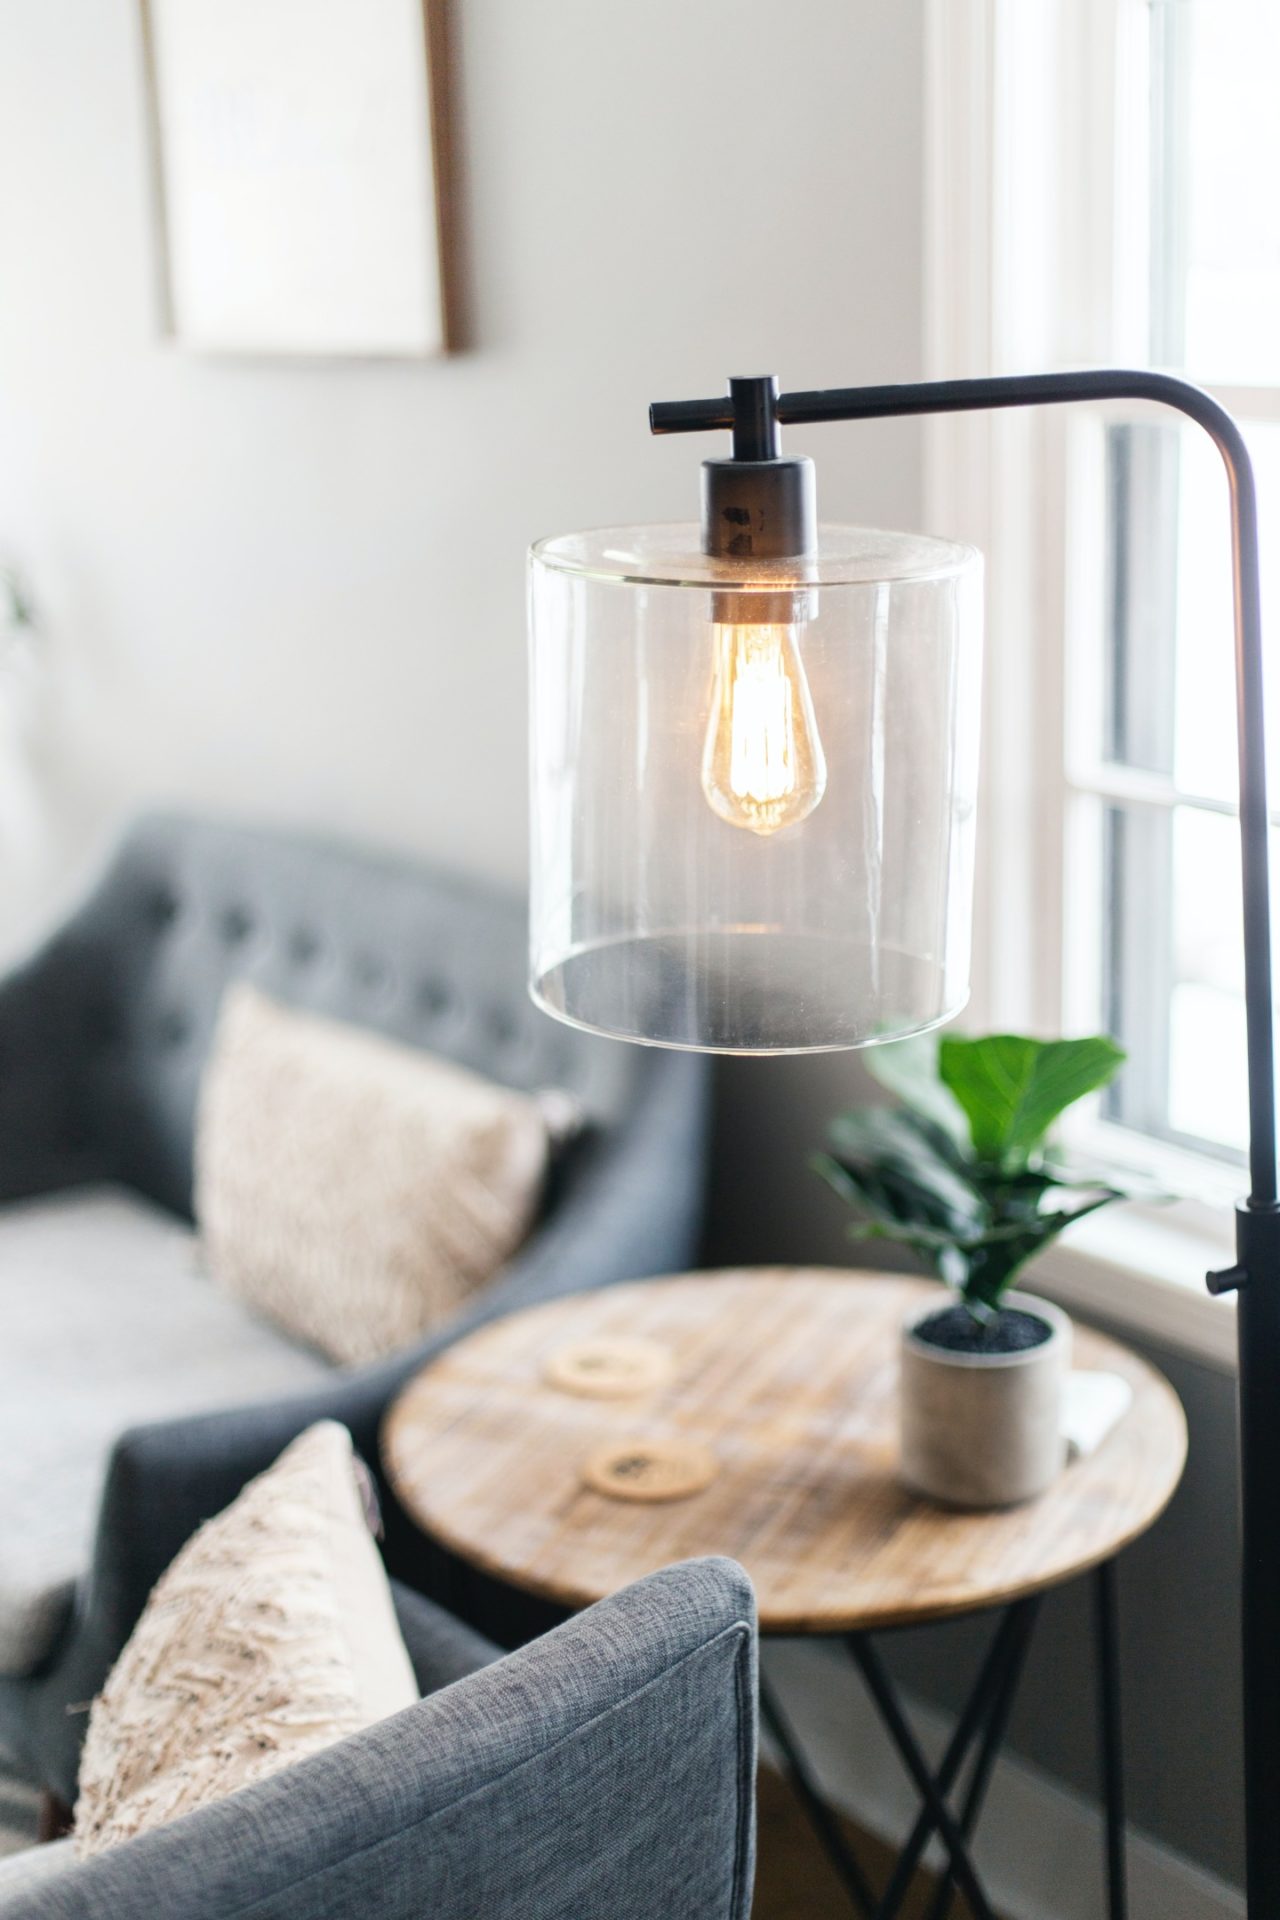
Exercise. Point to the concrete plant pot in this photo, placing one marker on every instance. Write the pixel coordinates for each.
(984, 1429)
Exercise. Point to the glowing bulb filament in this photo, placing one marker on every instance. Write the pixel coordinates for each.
(762, 763)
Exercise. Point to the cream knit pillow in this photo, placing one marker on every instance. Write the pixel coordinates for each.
(355, 1191)
(271, 1635)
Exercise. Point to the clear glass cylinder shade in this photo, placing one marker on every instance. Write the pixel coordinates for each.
(753, 791)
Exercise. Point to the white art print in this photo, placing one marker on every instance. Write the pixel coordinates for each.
(297, 175)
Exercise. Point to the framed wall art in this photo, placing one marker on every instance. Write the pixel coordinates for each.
(300, 174)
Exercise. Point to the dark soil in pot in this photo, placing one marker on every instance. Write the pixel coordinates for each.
(956, 1330)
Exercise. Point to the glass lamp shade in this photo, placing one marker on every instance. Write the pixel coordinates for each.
(753, 788)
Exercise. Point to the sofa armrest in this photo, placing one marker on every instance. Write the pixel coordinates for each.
(441, 1648)
(163, 1482)
(165, 1479)
(606, 1769)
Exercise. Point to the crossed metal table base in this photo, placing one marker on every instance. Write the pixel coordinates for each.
(950, 1802)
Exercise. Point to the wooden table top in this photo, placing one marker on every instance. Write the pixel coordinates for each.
(788, 1376)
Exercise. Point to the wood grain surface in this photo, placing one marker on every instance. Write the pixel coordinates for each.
(789, 1377)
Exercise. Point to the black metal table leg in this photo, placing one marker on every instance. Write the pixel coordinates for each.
(1111, 1749)
(979, 1732)
(881, 1689)
(821, 1818)
(990, 1747)
(996, 1680)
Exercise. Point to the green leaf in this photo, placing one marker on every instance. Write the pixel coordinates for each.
(924, 1239)
(1012, 1088)
(996, 1264)
(906, 1169)
(900, 1133)
(948, 1259)
(908, 1069)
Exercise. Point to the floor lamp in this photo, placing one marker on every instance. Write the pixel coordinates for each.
(785, 865)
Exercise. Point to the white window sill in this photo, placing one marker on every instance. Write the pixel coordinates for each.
(1144, 1275)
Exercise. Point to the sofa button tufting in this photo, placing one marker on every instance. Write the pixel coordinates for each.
(371, 972)
(174, 1028)
(501, 1026)
(303, 946)
(433, 997)
(161, 908)
(235, 925)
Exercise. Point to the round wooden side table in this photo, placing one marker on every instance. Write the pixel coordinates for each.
(775, 1389)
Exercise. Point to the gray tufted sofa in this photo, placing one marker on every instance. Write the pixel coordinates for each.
(135, 1399)
(606, 1772)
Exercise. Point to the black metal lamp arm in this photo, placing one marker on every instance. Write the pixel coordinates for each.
(1052, 389)
(1257, 1271)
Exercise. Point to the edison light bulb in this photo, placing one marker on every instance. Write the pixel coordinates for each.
(762, 764)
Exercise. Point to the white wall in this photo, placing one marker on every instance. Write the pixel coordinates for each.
(297, 591)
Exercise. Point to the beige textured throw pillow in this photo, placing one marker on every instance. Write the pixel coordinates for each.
(271, 1635)
(356, 1191)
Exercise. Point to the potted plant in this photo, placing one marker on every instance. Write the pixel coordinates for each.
(962, 1173)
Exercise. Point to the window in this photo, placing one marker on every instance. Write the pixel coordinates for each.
(1163, 773)
(1102, 189)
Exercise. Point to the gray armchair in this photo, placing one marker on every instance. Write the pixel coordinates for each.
(607, 1769)
(133, 1396)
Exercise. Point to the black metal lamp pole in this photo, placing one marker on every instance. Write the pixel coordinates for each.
(752, 410)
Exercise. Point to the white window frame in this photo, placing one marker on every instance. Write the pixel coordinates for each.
(1027, 226)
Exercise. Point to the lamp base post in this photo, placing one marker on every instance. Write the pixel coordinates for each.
(1256, 1277)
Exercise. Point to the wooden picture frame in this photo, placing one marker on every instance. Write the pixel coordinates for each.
(300, 172)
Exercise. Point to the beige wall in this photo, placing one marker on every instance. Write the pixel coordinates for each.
(297, 591)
